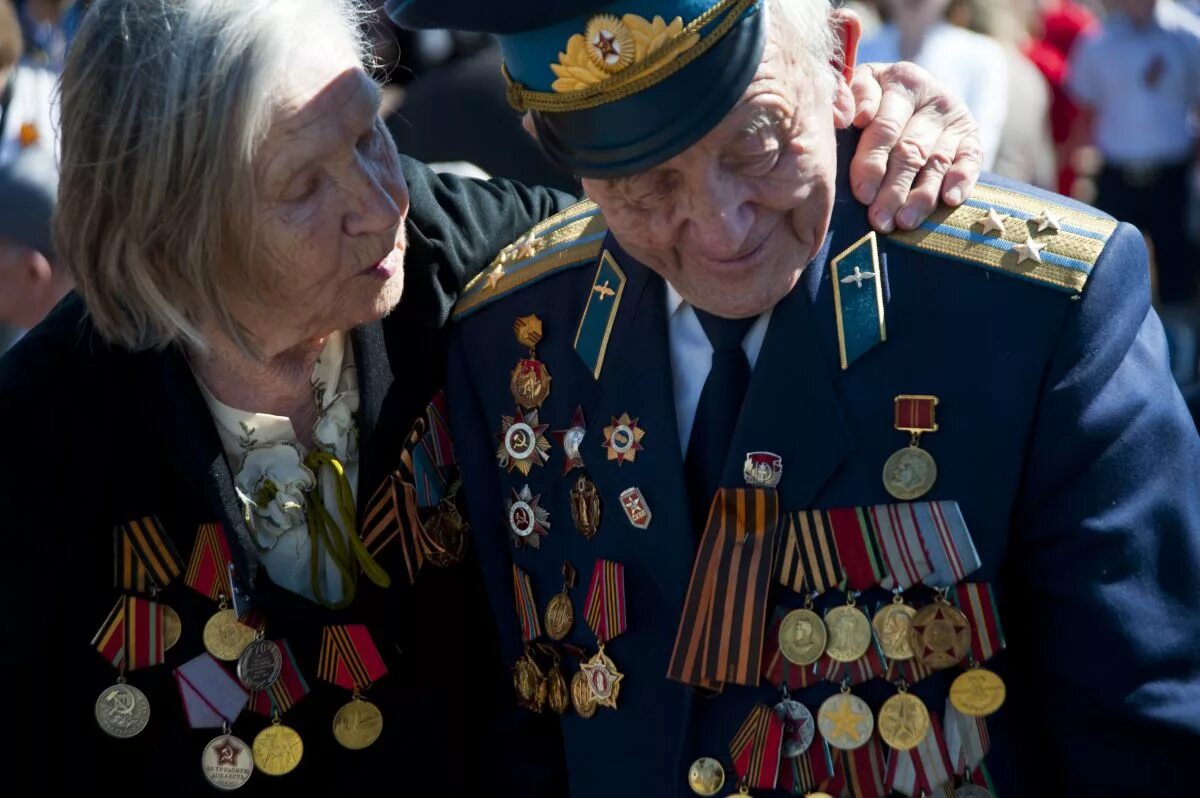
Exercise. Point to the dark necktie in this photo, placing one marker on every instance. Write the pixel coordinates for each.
(718, 410)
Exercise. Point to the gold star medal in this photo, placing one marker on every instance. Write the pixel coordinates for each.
(910, 473)
(605, 613)
(523, 442)
(903, 720)
(623, 439)
(530, 380)
(603, 678)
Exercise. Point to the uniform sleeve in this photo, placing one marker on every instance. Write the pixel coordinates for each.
(1107, 559)
(1082, 80)
(455, 228)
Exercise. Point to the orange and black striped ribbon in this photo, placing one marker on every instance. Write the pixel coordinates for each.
(144, 558)
(208, 567)
(780, 671)
(809, 772)
(527, 614)
(757, 748)
(286, 691)
(110, 639)
(349, 657)
(605, 605)
(860, 772)
(808, 560)
(723, 625)
(132, 635)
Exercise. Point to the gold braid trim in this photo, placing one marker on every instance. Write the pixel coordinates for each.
(663, 63)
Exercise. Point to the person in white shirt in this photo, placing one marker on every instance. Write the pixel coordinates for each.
(28, 115)
(971, 66)
(1139, 80)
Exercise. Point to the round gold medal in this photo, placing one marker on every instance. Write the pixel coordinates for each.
(526, 677)
(977, 693)
(358, 724)
(172, 628)
(581, 696)
(122, 711)
(849, 633)
(706, 776)
(225, 638)
(802, 637)
(558, 696)
(892, 625)
(277, 750)
(845, 721)
(909, 473)
(940, 635)
(560, 615)
(903, 721)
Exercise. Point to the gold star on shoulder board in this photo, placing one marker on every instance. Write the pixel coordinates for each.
(1029, 250)
(494, 277)
(992, 223)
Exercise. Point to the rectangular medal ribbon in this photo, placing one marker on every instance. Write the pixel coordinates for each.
(809, 772)
(144, 558)
(527, 612)
(605, 605)
(780, 671)
(286, 691)
(860, 772)
(721, 629)
(898, 529)
(349, 657)
(809, 560)
(947, 541)
(863, 669)
(110, 639)
(143, 633)
(211, 696)
(910, 670)
(862, 557)
(978, 603)
(208, 567)
(757, 748)
(923, 770)
(967, 740)
(915, 413)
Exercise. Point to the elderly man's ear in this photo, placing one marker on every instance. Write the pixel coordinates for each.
(848, 30)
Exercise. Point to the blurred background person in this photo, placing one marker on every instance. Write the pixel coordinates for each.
(1025, 150)
(30, 283)
(969, 65)
(48, 26)
(28, 119)
(1137, 82)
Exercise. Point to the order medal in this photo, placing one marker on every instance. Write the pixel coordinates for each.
(530, 380)
(940, 635)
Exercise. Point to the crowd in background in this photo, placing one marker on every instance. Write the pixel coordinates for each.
(1097, 100)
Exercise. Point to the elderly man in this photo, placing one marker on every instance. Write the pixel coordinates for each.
(729, 409)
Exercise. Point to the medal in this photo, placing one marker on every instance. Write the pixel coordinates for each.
(585, 507)
(977, 693)
(225, 637)
(893, 626)
(571, 441)
(799, 726)
(277, 749)
(581, 695)
(605, 613)
(560, 612)
(260, 664)
(903, 720)
(527, 682)
(603, 679)
(779, 670)
(558, 696)
(911, 472)
(940, 635)
(172, 628)
(358, 724)
(227, 762)
(845, 721)
(706, 776)
(756, 749)
(132, 636)
(446, 529)
(762, 469)
(849, 633)
(523, 442)
(528, 522)
(122, 710)
(530, 380)
(350, 660)
(623, 439)
(636, 508)
(802, 637)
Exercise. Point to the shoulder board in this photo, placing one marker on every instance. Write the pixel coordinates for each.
(570, 238)
(1017, 233)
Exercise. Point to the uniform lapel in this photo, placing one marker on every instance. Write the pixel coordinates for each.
(636, 379)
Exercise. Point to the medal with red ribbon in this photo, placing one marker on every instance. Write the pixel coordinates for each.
(208, 567)
(911, 472)
(778, 669)
(809, 772)
(279, 748)
(979, 692)
(605, 613)
(859, 772)
(285, 692)
(858, 546)
(861, 670)
(724, 619)
(350, 660)
(131, 637)
(757, 749)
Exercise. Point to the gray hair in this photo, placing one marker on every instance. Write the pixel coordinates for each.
(164, 106)
(806, 24)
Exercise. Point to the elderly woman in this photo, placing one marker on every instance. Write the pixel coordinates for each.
(227, 484)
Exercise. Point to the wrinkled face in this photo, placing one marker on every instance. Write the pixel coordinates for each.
(732, 221)
(331, 206)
